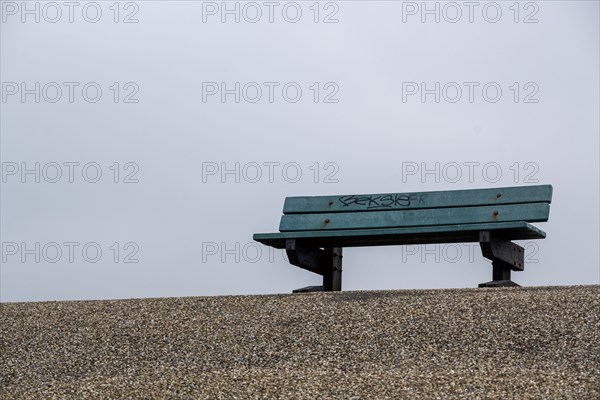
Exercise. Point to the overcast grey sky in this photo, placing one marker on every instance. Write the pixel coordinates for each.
(201, 125)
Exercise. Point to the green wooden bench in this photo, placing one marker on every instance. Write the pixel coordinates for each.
(313, 230)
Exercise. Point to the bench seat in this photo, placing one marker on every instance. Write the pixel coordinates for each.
(460, 233)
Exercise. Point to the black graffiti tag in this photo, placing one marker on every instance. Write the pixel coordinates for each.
(377, 201)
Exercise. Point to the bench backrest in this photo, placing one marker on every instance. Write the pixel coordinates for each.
(394, 210)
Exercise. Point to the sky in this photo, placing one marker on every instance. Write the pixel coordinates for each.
(143, 143)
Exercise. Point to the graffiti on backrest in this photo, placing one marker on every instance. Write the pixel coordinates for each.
(375, 201)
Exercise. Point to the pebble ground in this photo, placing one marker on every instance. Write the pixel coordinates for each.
(509, 343)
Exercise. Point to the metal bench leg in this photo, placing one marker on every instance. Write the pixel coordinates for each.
(332, 276)
(506, 256)
(500, 272)
(327, 262)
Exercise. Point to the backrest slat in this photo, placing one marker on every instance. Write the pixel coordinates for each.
(422, 200)
(530, 212)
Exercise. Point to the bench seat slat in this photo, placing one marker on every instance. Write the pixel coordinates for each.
(400, 201)
(531, 212)
(458, 233)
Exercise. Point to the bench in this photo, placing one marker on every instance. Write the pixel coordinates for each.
(314, 230)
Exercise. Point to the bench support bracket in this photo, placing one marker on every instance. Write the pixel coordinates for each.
(326, 262)
(506, 256)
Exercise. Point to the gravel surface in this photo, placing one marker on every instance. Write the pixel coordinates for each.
(521, 343)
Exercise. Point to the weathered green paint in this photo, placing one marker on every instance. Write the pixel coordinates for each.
(531, 212)
(417, 200)
(459, 233)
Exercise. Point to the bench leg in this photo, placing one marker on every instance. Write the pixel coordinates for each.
(332, 270)
(327, 262)
(500, 272)
(506, 256)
